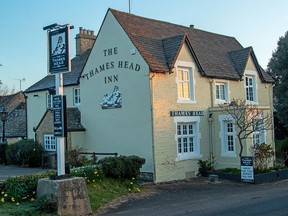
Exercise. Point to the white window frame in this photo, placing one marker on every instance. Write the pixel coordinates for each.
(49, 142)
(224, 134)
(259, 133)
(49, 100)
(251, 75)
(226, 98)
(76, 97)
(190, 68)
(189, 154)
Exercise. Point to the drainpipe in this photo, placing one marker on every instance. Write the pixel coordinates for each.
(152, 123)
(211, 93)
(211, 153)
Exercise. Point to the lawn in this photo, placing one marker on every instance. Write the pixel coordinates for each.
(100, 193)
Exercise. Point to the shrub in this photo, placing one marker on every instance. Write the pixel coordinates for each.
(22, 188)
(76, 160)
(125, 167)
(263, 154)
(25, 153)
(204, 166)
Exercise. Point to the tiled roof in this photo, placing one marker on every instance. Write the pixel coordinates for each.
(15, 105)
(70, 78)
(74, 120)
(158, 42)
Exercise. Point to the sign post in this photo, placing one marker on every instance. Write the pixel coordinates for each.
(247, 169)
(59, 62)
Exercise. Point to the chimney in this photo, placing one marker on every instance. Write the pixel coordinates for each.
(84, 40)
(191, 26)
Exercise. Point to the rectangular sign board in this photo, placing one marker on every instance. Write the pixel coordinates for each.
(59, 114)
(247, 169)
(58, 50)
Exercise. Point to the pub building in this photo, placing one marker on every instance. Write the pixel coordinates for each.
(151, 88)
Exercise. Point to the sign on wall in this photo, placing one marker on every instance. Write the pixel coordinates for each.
(112, 100)
(247, 169)
(58, 50)
(59, 114)
(186, 113)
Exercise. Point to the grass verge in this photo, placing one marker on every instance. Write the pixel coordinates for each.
(100, 193)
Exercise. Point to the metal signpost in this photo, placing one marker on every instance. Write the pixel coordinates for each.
(59, 62)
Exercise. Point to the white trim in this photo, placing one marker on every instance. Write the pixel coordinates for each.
(192, 82)
(222, 133)
(226, 89)
(74, 96)
(253, 75)
(49, 146)
(196, 121)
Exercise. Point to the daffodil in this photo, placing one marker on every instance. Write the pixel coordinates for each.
(2, 200)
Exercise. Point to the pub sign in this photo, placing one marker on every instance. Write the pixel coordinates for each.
(58, 50)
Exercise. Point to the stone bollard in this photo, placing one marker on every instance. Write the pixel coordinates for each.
(70, 195)
(213, 178)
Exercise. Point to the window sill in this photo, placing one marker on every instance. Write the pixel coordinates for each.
(188, 157)
(229, 155)
(186, 101)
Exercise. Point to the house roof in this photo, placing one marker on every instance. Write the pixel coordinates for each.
(217, 56)
(69, 78)
(15, 105)
(73, 119)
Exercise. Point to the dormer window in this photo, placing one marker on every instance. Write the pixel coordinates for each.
(250, 88)
(221, 92)
(185, 82)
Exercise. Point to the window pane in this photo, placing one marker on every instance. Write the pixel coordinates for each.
(190, 128)
(185, 144)
(184, 129)
(179, 145)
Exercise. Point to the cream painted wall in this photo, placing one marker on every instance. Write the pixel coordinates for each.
(37, 105)
(165, 100)
(125, 130)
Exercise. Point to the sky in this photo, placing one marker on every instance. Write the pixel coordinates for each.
(23, 42)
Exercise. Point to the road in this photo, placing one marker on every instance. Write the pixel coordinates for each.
(206, 199)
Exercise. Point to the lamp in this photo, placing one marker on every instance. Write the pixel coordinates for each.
(4, 115)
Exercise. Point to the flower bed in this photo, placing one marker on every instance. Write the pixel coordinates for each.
(274, 175)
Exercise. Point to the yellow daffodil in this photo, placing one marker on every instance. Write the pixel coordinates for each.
(2, 200)
(17, 203)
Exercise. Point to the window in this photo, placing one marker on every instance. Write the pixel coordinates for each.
(221, 92)
(49, 143)
(76, 96)
(49, 100)
(250, 88)
(185, 82)
(227, 135)
(187, 137)
(258, 135)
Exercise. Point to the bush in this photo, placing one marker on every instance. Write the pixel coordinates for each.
(25, 153)
(125, 167)
(22, 188)
(263, 154)
(204, 166)
(76, 160)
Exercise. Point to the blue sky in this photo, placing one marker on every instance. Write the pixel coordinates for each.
(23, 43)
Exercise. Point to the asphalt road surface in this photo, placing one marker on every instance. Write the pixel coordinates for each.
(199, 197)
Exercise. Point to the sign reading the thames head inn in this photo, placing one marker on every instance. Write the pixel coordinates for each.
(59, 50)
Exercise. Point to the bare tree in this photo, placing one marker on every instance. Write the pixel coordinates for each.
(248, 119)
(5, 90)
